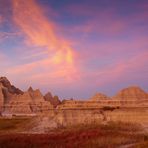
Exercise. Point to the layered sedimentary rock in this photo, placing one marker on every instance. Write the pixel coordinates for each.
(77, 104)
(72, 117)
(19, 104)
(98, 97)
(129, 97)
(8, 89)
(132, 97)
(39, 104)
(69, 104)
(97, 101)
(132, 93)
(130, 104)
(60, 118)
(135, 115)
(36, 95)
(53, 100)
(28, 103)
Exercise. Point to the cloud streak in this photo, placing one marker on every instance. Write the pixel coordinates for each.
(40, 31)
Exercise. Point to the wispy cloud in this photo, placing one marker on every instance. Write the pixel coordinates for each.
(58, 57)
(40, 31)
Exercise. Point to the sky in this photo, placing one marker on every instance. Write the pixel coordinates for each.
(74, 48)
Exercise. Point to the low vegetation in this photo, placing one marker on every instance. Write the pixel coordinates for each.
(109, 135)
(14, 124)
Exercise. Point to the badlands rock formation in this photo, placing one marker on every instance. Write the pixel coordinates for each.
(130, 105)
(28, 103)
(100, 108)
(129, 97)
(8, 89)
(98, 97)
(36, 95)
(53, 100)
(48, 96)
(16, 102)
(11, 89)
(132, 97)
(131, 93)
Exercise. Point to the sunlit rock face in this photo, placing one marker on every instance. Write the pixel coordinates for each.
(19, 104)
(129, 104)
(70, 117)
(16, 102)
(39, 104)
(132, 93)
(128, 97)
(27, 103)
(36, 95)
(98, 97)
(53, 100)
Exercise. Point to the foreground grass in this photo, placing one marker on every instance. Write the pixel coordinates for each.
(141, 145)
(111, 135)
(13, 125)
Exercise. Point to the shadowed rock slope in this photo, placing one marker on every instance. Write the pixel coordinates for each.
(11, 88)
(53, 100)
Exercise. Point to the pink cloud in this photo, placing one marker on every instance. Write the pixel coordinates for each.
(40, 31)
(122, 71)
(43, 72)
(58, 56)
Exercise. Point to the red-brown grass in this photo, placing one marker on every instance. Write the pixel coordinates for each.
(111, 135)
